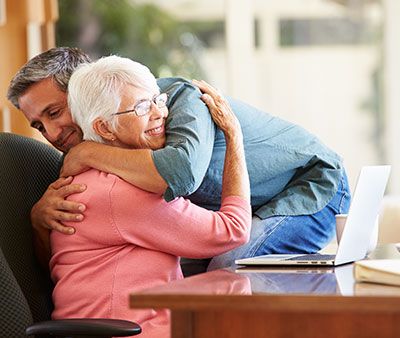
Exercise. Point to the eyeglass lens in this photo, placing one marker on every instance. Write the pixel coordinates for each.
(144, 107)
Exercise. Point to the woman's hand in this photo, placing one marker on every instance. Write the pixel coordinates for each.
(220, 109)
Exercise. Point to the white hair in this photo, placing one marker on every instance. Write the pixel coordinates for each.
(94, 90)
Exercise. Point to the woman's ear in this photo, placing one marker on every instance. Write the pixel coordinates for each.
(103, 129)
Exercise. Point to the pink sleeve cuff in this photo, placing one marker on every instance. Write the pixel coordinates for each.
(236, 201)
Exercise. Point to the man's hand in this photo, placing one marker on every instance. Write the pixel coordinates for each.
(52, 208)
(74, 160)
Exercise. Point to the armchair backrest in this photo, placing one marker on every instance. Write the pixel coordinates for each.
(27, 167)
(15, 314)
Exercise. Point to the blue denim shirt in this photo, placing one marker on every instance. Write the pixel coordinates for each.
(291, 171)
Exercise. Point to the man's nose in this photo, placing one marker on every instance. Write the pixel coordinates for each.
(53, 132)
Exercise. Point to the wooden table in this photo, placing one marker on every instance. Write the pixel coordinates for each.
(279, 302)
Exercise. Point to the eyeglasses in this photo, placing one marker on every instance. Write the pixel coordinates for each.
(143, 107)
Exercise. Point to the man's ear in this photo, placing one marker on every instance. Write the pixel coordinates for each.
(103, 129)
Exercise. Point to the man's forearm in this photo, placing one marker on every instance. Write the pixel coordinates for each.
(135, 166)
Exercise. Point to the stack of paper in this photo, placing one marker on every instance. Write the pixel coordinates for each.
(383, 271)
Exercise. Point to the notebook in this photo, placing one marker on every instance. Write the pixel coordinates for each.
(359, 226)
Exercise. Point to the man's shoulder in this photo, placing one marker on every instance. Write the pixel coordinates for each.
(183, 98)
(173, 83)
(179, 89)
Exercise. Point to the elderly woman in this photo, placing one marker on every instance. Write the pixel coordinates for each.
(131, 239)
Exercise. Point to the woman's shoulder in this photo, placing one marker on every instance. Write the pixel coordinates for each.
(100, 182)
(94, 177)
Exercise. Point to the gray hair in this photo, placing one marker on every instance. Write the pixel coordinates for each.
(94, 90)
(57, 63)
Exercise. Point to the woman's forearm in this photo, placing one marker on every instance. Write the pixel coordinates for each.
(235, 180)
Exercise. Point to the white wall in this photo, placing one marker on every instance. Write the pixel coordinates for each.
(321, 88)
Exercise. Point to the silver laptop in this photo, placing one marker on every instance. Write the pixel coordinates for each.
(359, 226)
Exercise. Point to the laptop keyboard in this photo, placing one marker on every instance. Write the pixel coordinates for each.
(313, 257)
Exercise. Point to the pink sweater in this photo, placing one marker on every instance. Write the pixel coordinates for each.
(130, 240)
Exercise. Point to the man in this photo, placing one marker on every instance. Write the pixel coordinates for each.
(297, 183)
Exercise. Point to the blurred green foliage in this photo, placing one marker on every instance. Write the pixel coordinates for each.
(143, 32)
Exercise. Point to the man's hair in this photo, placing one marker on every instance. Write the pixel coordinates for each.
(95, 90)
(56, 63)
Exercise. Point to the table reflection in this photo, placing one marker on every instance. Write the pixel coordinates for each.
(218, 282)
(281, 280)
(291, 281)
(337, 281)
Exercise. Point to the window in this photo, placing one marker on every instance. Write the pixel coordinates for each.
(324, 31)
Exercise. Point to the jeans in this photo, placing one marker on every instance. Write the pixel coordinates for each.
(290, 234)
